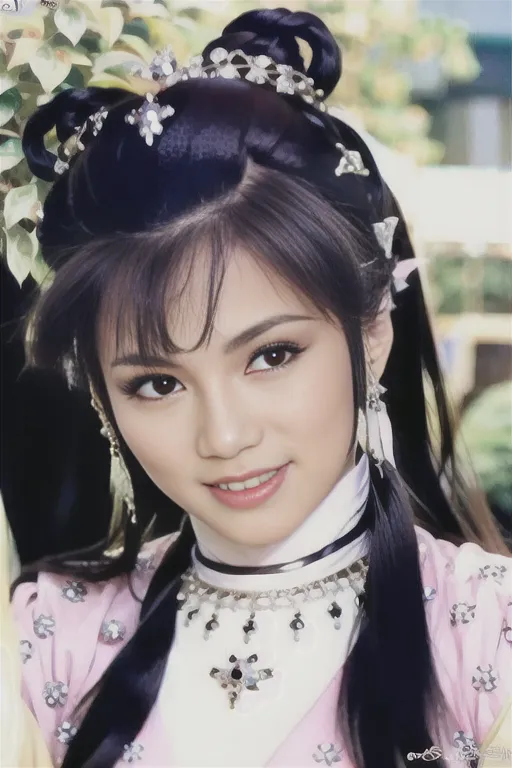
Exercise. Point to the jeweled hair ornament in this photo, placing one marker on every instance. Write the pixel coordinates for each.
(163, 71)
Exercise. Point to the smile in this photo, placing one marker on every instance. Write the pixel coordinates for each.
(252, 492)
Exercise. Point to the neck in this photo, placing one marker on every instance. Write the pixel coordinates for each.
(335, 516)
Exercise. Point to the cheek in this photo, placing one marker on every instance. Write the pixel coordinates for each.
(321, 401)
(154, 445)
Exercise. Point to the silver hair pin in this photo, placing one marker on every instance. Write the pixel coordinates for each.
(164, 71)
(385, 232)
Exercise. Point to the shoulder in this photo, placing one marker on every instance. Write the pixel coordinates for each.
(69, 631)
(468, 604)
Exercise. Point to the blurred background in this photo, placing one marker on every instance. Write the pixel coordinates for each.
(427, 82)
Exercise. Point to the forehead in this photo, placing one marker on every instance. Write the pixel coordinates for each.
(249, 293)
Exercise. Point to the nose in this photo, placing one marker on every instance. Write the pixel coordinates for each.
(226, 425)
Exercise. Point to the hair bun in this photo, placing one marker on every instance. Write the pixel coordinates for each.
(273, 32)
(66, 112)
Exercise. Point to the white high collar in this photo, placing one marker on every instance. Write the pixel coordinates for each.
(335, 516)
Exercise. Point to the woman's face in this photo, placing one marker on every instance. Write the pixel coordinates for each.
(272, 389)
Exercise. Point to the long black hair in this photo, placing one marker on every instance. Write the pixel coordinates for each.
(239, 163)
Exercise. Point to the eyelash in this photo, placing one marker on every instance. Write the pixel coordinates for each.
(132, 387)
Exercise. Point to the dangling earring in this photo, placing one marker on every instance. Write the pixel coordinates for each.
(376, 425)
(120, 480)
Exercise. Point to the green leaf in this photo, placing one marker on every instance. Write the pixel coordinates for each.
(39, 269)
(147, 10)
(6, 83)
(115, 59)
(22, 246)
(50, 67)
(71, 21)
(19, 203)
(10, 154)
(25, 48)
(75, 57)
(110, 22)
(105, 80)
(10, 102)
(137, 44)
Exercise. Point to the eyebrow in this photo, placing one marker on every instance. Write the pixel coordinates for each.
(238, 341)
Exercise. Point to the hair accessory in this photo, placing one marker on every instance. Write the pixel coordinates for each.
(379, 433)
(351, 162)
(74, 144)
(196, 594)
(163, 70)
(384, 232)
(120, 477)
(402, 271)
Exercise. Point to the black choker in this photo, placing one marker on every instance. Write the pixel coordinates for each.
(347, 538)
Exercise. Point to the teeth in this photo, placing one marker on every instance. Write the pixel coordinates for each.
(252, 483)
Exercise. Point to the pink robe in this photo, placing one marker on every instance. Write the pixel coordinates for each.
(71, 631)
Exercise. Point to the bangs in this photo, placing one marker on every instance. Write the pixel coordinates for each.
(130, 286)
(150, 287)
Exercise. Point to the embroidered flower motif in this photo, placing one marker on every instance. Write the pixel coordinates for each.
(467, 748)
(112, 631)
(26, 650)
(44, 626)
(145, 563)
(485, 679)
(132, 752)
(462, 613)
(55, 694)
(492, 571)
(65, 732)
(429, 593)
(74, 591)
(328, 754)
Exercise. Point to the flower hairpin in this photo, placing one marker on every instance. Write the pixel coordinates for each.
(163, 71)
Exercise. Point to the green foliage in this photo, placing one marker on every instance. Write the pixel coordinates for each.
(93, 43)
(486, 430)
(464, 284)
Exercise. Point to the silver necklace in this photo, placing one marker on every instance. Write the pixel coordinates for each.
(196, 594)
(241, 674)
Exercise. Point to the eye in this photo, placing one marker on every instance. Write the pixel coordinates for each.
(275, 356)
(151, 387)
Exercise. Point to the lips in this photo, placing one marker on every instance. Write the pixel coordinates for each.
(249, 498)
(242, 478)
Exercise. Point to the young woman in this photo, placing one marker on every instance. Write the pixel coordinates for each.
(228, 274)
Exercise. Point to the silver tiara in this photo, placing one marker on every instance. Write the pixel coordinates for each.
(232, 65)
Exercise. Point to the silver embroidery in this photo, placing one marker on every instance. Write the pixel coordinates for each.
(132, 752)
(491, 571)
(507, 632)
(145, 563)
(44, 626)
(74, 591)
(462, 613)
(112, 631)
(485, 679)
(26, 650)
(55, 694)
(328, 754)
(429, 593)
(65, 732)
(467, 748)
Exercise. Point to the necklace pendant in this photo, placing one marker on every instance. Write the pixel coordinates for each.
(190, 616)
(240, 676)
(334, 611)
(249, 628)
(211, 626)
(297, 624)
